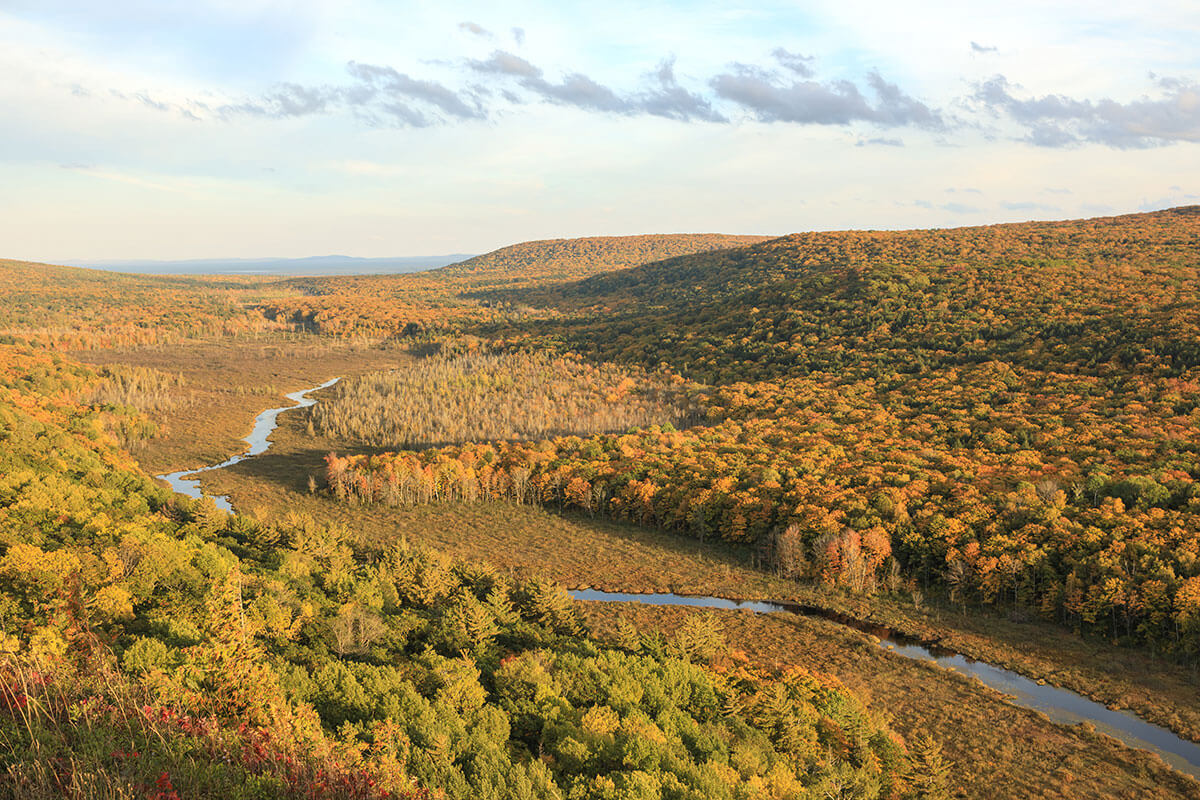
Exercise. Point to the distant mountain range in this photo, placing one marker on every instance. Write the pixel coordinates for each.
(313, 265)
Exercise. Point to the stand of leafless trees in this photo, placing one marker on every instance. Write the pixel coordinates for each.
(447, 399)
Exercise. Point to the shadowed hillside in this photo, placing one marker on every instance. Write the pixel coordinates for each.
(447, 299)
(1120, 291)
(578, 258)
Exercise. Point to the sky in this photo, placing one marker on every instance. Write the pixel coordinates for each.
(151, 129)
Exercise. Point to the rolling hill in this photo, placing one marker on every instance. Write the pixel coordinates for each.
(559, 259)
(77, 308)
(1119, 291)
(448, 298)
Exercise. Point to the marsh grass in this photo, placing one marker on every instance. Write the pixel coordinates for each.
(224, 384)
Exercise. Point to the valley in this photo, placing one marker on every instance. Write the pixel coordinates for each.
(1024, 500)
(801, 401)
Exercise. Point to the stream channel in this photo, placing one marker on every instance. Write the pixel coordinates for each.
(264, 426)
(1060, 705)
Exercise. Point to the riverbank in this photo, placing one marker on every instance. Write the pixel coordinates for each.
(1059, 705)
(187, 482)
(997, 750)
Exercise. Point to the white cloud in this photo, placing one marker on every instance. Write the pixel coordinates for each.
(145, 179)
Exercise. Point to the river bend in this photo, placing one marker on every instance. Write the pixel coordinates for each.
(258, 442)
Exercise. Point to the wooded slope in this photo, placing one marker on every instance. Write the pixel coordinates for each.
(76, 308)
(1119, 291)
(577, 258)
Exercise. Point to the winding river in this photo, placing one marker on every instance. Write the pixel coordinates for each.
(258, 441)
(1060, 705)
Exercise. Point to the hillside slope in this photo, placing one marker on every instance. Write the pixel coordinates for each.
(447, 299)
(1119, 291)
(78, 308)
(576, 258)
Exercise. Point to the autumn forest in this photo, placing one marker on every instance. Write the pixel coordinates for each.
(977, 445)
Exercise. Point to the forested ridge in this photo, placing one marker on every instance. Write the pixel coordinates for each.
(558, 259)
(1006, 415)
(1119, 293)
(81, 309)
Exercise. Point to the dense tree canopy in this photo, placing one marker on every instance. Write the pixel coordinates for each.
(1010, 413)
(152, 646)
